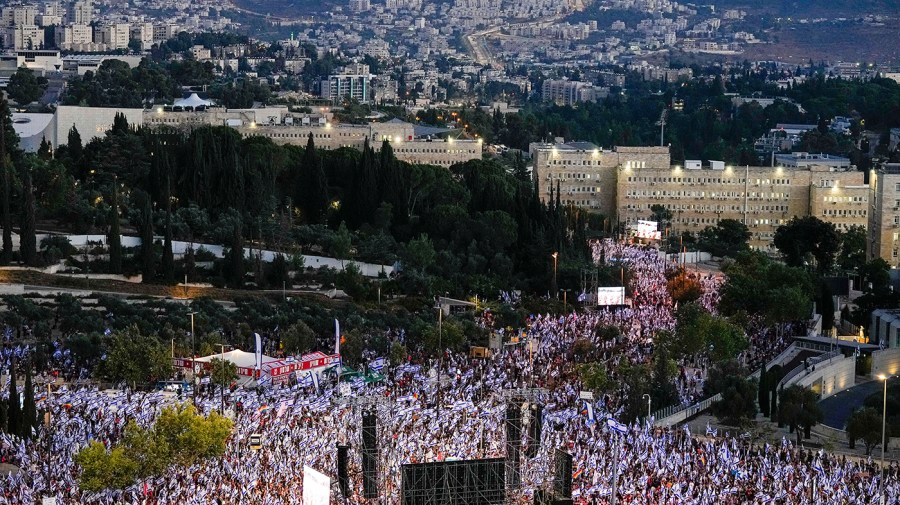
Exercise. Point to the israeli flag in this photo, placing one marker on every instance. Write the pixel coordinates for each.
(590, 410)
(616, 426)
(315, 380)
(378, 364)
(582, 297)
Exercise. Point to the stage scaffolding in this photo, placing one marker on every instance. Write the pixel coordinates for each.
(522, 472)
(370, 471)
(463, 482)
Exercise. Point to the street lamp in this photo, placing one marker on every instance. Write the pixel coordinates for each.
(883, 378)
(645, 395)
(555, 255)
(193, 364)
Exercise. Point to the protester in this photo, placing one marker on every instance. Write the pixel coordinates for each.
(429, 413)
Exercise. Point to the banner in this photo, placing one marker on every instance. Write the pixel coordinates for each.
(258, 351)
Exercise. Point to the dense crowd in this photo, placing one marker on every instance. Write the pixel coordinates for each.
(453, 409)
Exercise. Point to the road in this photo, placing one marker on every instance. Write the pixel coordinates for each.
(837, 408)
(477, 41)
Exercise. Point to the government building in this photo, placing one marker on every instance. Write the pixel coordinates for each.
(623, 183)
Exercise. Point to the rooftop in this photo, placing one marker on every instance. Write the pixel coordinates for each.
(30, 124)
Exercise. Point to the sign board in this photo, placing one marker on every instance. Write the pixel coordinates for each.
(586, 395)
(611, 296)
(316, 487)
(48, 500)
(255, 441)
(648, 229)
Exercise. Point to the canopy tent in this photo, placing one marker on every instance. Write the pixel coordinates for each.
(192, 101)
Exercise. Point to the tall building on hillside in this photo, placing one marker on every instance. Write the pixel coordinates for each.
(564, 92)
(80, 12)
(352, 83)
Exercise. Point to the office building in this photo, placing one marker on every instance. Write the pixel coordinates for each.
(625, 182)
(571, 92)
(884, 214)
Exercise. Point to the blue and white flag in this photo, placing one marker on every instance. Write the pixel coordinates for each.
(589, 410)
(616, 426)
(258, 351)
(315, 380)
(378, 364)
(711, 431)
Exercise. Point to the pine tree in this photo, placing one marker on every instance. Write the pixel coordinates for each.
(28, 240)
(115, 233)
(13, 412)
(773, 409)
(29, 410)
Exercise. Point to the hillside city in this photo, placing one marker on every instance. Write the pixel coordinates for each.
(449, 252)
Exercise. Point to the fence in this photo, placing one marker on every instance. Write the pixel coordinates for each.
(787, 380)
(678, 413)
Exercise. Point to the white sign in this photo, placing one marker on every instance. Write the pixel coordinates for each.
(611, 296)
(586, 395)
(648, 229)
(316, 487)
(48, 501)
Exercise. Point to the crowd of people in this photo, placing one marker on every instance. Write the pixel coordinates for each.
(453, 408)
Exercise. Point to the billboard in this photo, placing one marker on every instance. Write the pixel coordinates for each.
(611, 296)
(316, 487)
(648, 229)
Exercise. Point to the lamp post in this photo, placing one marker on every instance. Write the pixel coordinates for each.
(884, 378)
(193, 364)
(222, 385)
(645, 395)
(555, 256)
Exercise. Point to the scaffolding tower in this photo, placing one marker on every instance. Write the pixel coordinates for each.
(524, 472)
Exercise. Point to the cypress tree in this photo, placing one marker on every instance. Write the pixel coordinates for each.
(148, 257)
(29, 410)
(76, 150)
(115, 233)
(168, 258)
(392, 183)
(763, 391)
(45, 150)
(13, 413)
(3, 408)
(6, 182)
(773, 409)
(237, 254)
(28, 240)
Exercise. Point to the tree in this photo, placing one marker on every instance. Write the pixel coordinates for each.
(662, 386)
(74, 146)
(758, 286)
(852, 256)
(145, 225)
(24, 87)
(5, 185)
(799, 409)
(661, 214)
(29, 410)
(13, 412)
(115, 232)
(738, 403)
(135, 358)
(398, 354)
(28, 239)
(223, 372)
(808, 241)
(593, 376)
(298, 339)
(764, 390)
(102, 469)
(728, 237)
(179, 436)
(341, 243)
(865, 424)
(683, 287)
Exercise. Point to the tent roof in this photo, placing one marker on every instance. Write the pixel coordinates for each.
(240, 358)
(192, 101)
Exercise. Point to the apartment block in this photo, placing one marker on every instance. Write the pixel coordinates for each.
(564, 92)
(352, 83)
(25, 37)
(143, 34)
(80, 13)
(70, 37)
(113, 36)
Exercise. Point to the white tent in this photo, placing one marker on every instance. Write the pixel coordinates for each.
(192, 101)
(240, 358)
